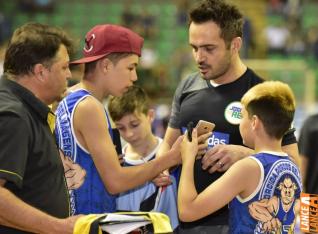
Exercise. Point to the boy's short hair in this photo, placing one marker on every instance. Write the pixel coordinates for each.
(113, 57)
(274, 104)
(226, 16)
(135, 100)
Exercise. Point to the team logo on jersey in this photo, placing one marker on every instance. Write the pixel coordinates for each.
(233, 113)
(278, 197)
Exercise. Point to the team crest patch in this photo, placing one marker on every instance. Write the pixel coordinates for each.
(233, 113)
(278, 200)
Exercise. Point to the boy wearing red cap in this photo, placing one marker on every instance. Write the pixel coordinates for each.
(83, 131)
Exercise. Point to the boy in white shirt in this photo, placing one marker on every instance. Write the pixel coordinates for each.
(133, 118)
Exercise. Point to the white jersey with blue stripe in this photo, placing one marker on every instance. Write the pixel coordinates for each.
(149, 197)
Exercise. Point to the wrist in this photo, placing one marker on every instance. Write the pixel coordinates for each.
(55, 226)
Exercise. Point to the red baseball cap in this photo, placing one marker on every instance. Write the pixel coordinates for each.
(104, 39)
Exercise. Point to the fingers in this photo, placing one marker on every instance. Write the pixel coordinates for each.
(121, 159)
(203, 138)
(211, 157)
(276, 224)
(218, 158)
(195, 136)
(202, 147)
(177, 143)
(75, 176)
(62, 155)
(162, 180)
(221, 165)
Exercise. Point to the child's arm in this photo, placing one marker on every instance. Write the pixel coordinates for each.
(236, 181)
(91, 130)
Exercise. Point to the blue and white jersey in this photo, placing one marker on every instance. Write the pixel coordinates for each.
(148, 197)
(273, 201)
(92, 196)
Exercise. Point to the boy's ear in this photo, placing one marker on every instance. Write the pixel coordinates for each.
(256, 122)
(105, 64)
(151, 115)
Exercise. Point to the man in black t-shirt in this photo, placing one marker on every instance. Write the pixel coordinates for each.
(213, 94)
(33, 193)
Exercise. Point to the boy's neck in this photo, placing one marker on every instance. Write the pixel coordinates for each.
(143, 149)
(267, 144)
(91, 87)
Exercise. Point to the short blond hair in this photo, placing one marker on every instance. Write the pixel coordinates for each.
(274, 104)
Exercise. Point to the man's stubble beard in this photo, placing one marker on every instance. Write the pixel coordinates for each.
(223, 68)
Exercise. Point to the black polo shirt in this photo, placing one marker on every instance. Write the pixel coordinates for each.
(29, 158)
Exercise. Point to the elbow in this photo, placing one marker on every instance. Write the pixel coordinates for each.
(113, 188)
(185, 215)
(113, 191)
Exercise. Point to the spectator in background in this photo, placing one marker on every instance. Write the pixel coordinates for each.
(248, 38)
(277, 6)
(296, 45)
(277, 37)
(5, 28)
(312, 42)
(129, 18)
(182, 12)
(148, 24)
(143, 23)
(308, 149)
(32, 6)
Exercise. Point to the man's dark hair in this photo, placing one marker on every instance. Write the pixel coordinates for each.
(31, 44)
(226, 16)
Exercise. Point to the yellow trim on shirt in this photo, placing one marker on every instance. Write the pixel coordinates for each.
(13, 173)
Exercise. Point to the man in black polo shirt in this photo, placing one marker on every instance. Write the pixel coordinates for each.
(33, 193)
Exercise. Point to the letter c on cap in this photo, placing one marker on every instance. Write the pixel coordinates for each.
(87, 42)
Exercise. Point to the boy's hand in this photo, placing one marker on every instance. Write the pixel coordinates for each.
(189, 149)
(121, 159)
(175, 150)
(74, 173)
(203, 144)
(163, 179)
(222, 157)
